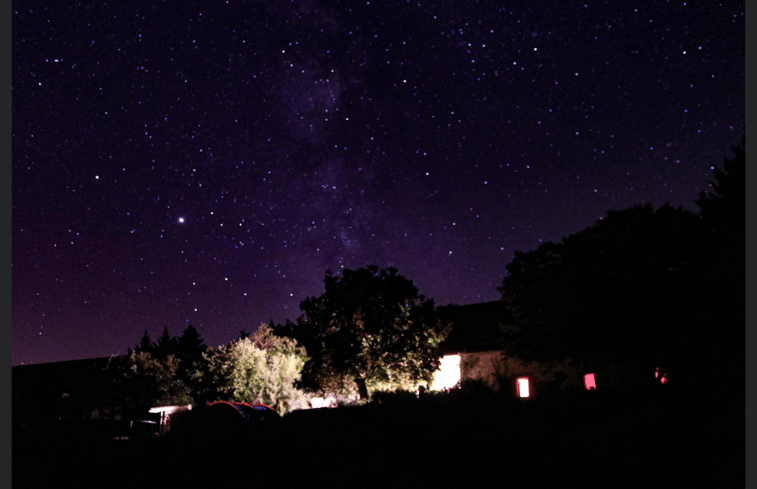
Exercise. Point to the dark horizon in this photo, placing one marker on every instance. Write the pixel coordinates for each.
(206, 163)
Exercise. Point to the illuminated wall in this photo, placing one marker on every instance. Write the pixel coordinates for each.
(523, 387)
(486, 366)
(319, 402)
(489, 367)
(166, 412)
(448, 374)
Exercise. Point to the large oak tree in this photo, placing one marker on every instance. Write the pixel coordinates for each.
(370, 329)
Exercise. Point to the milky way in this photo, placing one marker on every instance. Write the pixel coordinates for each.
(206, 162)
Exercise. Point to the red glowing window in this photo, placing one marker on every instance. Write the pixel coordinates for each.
(590, 382)
(523, 390)
(663, 378)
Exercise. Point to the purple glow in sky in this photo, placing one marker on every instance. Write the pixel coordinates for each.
(206, 162)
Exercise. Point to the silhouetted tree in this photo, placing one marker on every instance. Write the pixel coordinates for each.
(149, 381)
(166, 345)
(722, 297)
(723, 212)
(169, 371)
(189, 344)
(189, 349)
(145, 344)
(723, 209)
(613, 294)
(370, 328)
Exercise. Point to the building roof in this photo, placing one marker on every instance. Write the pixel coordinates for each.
(39, 389)
(475, 327)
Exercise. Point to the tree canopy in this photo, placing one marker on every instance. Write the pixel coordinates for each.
(723, 212)
(722, 267)
(260, 368)
(164, 372)
(641, 288)
(149, 381)
(607, 295)
(723, 208)
(370, 329)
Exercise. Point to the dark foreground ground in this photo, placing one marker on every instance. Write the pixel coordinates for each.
(585, 440)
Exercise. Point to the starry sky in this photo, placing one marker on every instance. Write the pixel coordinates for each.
(206, 162)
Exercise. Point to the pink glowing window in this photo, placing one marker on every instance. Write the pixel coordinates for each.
(589, 382)
(523, 390)
(663, 378)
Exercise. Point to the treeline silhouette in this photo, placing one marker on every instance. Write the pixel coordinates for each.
(642, 289)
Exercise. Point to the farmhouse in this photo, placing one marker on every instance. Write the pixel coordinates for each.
(70, 393)
(75, 389)
(473, 351)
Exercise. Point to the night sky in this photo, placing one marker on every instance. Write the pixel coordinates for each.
(206, 162)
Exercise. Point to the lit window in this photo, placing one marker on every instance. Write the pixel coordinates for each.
(523, 390)
(590, 382)
(663, 378)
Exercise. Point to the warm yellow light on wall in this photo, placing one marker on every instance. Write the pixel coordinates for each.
(523, 390)
(319, 402)
(448, 374)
